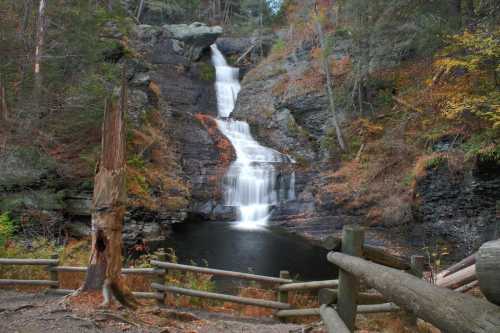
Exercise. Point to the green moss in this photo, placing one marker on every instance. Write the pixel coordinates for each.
(279, 46)
(435, 162)
(207, 72)
(483, 146)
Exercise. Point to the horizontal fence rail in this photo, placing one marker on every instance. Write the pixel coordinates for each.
(38, 262)
(139, 271)
(222, 297)
(309, 285)
(219, 272)
(11, 282)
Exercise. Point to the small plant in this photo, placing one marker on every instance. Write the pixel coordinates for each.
(7, 228)
(207, 72)
(435, 255)
(279, 46)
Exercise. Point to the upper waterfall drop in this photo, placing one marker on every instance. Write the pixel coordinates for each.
(252, 183)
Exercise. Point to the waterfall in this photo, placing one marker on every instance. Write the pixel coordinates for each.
(252, 183)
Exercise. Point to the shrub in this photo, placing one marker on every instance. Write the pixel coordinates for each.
(7, 228)
(207, 72)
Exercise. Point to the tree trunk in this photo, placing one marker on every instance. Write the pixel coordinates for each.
(139, 11)
(40, 42)
(329, 83)
(4, 113)
(108, 208)
(446, 309)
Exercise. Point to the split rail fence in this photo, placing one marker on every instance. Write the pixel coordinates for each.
(398, 283)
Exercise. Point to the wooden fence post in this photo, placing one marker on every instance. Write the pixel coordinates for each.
(161, 277)
(417, 266)
(352, 244)
(283, 295)
(53, 274)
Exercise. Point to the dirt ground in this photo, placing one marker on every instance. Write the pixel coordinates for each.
(35, 313)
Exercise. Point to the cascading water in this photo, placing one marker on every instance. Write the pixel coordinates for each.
(252, 183)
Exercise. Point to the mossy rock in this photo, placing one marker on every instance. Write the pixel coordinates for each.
(24, 166)
(38, 200)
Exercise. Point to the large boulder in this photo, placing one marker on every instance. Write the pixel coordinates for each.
(195, 36)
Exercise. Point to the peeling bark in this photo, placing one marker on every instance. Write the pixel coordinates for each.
(108, 209)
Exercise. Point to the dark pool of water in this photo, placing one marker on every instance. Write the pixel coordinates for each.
(263, 252)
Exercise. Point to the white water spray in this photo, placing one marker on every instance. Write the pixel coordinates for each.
(251, 183)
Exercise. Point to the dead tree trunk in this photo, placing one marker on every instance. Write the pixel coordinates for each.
(139, 11)
(329, 83)
(108, 209)
(40, 42)
(4, 113)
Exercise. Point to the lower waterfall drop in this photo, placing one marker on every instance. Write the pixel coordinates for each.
(252, 183)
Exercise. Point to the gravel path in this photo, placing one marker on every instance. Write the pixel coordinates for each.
(41, 313)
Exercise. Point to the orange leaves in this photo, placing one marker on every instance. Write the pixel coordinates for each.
(366, 129)
(342, 66)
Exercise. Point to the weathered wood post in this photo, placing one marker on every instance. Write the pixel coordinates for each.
(161, 277)
(352, 244)
(488, 270)
(283, 295)
(53, 275)
(417, 266)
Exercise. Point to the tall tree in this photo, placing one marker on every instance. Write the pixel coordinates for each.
(40, 42)
(108, 208)
(326, 70)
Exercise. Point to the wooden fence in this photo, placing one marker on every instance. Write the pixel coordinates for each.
(343, 298)
(446, 309)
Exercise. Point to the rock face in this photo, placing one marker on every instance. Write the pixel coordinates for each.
(188, 87)
(180, 40)
(293, 120)
(461, 208)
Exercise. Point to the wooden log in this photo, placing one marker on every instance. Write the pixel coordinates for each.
(126, 271)
(459, 278)
(371, 308)
(378, 308)
(219, 272)
(297, 313)
(309, 285)
(332, 320)
(445, 309)
(62, 292)
(467, 287)
(466, 262)
(221, 297)
(39, 262)
(488, 270)
(153, 295)
(11, 282)
(352, 243)
(330, 296)
(373, 253)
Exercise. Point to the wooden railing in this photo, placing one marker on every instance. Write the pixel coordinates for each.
(446, 309)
